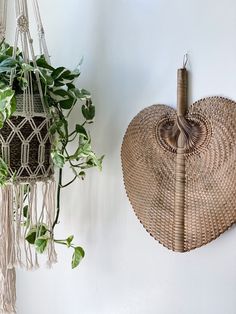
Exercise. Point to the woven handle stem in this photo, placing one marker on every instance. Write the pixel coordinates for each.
(180, 164)
(182, 82)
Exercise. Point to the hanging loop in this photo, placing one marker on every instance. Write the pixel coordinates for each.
(185, 60)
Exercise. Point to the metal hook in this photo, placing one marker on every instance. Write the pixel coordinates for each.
(185, 60)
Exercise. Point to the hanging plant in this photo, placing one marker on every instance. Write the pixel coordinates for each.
(36, 136)
(61, 97)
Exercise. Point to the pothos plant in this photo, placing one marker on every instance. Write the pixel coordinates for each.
(61, 96)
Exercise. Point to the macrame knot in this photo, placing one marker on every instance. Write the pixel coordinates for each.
(41, 32)
(22, 23)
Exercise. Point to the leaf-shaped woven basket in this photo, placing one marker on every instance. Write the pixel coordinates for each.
(179, 169)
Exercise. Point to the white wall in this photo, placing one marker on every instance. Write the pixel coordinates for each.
(132, 49)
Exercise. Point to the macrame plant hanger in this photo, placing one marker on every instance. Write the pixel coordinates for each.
(25, 146)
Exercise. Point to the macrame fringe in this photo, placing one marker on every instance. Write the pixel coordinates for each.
(14, 227)
(7, 272)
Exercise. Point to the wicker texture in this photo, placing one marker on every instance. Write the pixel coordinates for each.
(149, 160)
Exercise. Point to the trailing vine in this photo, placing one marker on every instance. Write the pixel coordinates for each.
(62, 97)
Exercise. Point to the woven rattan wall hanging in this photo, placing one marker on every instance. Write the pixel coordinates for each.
(179, 169)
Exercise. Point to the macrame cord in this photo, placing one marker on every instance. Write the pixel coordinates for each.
(3, 16)
(25, 147)
(41, 34)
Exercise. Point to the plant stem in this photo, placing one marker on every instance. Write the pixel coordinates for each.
(59, 185)
(65, 185)
(71, 140)
(71, 164)
(63, 242)
(58, 199)
(72, 133)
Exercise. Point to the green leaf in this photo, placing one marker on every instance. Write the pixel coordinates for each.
(6, 96)
(3, 57)
(70, 86)
(58, 83)
(26, 211)
(4, 172)
(86, 93)
(81, 130)
(67, 104)
(75, 73)
(27, 67)
(2, 118)
(3, 84)
(6, 50)
(26, 189)
(7, 104)
(71, 77)
(42, 63)
(31, 235)
(83, 151)
(60, 95)
(82, 94)
(82, 175)
(66, 74)
(34, 232)
(23, 83)
(5, 69)
(58, 159)
(98, 162)
(77, 256)
(69, 240)
(26, 215)
(57, 72)
(93, 161)
(88, 111)
(7, 64)
(50, 81)
(41, 243)
(13, 105)
(56, 127)
(49, 101)
(61, 92)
